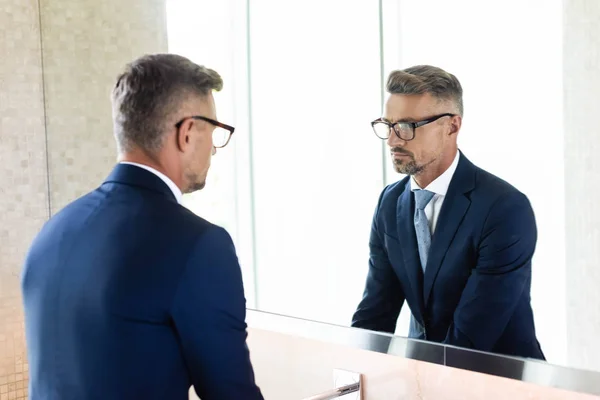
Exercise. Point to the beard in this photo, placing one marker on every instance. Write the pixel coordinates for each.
(194, 183)
(194, 187)
(406, 165)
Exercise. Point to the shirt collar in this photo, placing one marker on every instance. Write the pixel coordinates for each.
(176, 191)
(440, 184)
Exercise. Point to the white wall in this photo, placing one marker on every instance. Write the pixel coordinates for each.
(582, 143)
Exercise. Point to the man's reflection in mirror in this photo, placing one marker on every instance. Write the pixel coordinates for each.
(451, 240)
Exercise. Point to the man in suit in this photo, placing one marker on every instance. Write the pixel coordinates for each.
(452, 240)
(127, 294)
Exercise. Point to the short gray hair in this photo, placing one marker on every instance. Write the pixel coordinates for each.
(147, 94)
(423, 79)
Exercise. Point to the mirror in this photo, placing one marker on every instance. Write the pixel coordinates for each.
(298, 186)
(303, 177)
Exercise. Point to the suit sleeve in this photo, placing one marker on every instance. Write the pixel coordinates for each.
(209, 312)
(502, 274)
(383, 296)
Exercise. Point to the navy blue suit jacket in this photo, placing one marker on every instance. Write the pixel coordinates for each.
(475, 291)
(129, 295)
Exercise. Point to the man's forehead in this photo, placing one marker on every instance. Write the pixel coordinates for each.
(409, 108)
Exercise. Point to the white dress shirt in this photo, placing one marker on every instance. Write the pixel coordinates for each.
(176, 191)
(439, 186)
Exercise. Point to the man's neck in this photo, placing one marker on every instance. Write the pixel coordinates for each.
(138, 157)
(434, 170)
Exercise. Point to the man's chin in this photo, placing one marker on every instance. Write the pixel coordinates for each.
(195, 187)
(407, 168)
(403, 171)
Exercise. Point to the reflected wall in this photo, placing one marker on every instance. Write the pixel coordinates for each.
(317, 166)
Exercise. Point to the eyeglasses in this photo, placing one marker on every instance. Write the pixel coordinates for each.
(221, 134)
(404, 130)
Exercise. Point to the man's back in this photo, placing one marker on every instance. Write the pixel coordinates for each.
(129, 295)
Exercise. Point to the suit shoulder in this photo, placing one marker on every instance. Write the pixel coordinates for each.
(495, 187)
(189, 220)
(495, 193)
(200, 227)
(74, 212)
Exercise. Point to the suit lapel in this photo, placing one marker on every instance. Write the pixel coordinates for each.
(456, 203)
(408, 240)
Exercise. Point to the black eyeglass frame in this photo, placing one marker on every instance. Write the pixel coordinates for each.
(229, 128)
(413, 125)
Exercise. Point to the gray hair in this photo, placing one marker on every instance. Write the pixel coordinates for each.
(423, 79)
(149, 92)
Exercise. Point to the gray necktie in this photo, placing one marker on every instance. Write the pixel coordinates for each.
(422, 198)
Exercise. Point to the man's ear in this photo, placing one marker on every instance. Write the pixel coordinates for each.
(183, 134)
(455, 124)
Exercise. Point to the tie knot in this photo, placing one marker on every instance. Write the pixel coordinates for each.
(422, 198)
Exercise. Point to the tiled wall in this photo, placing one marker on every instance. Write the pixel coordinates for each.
(582, 185)
(85, 44)
(23, 183)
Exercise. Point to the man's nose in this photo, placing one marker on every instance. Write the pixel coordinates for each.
(394, 141)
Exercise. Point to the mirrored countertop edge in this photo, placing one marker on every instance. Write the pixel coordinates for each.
(526, 370)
